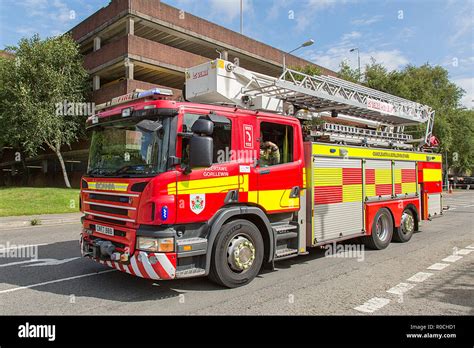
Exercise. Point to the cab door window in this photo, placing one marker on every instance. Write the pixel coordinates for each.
(222, 136)
(276, 144)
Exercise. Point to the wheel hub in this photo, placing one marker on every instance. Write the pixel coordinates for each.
(240, 254)
(408, 223)
(382, 227)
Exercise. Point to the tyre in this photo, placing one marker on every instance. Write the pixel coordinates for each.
(407, 226)
(382, 230)
(237, 254)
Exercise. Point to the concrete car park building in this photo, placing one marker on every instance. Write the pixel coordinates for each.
(141, 44)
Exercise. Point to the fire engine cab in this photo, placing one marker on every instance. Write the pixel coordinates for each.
(240, 175)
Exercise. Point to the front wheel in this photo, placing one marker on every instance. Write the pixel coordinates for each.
(237, 254)
(382, 230)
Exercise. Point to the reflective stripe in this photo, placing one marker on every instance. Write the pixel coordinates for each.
(148, 267)
(133, 262)
(213, 185)
(166, 264)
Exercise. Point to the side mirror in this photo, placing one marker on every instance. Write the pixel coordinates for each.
(200, 151)
(203, 126)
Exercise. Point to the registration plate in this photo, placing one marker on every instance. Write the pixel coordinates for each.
(105, 230)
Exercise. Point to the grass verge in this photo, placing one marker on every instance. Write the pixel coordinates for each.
(16, 201)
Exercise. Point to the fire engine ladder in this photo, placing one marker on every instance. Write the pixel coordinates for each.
(328, 93)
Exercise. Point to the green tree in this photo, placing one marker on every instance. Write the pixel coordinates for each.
(42, 74)
(429, 85)
(347, 73)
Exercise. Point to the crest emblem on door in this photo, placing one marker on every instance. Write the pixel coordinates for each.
(197, 203)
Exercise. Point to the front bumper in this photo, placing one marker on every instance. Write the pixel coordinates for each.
(157, 266)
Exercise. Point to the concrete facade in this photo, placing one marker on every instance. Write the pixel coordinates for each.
(147, 43)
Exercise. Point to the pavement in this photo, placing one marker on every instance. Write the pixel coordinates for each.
(9, 222)
(431, 275)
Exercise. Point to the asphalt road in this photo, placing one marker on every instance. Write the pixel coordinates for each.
(403, 279)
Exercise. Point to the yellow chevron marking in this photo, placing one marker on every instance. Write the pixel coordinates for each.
(398, 176)
(383, 176)
(409, 187)
(352, 193)
(327, 176)
(431, 174)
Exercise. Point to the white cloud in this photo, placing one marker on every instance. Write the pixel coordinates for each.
(467, 84)
(332, 58)
(53, 12)
(229, 9)
(304, 16)
(367, 21)
(350, 36)
(463, 26)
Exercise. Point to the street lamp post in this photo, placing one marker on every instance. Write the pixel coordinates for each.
(358, 60)
(304, 44)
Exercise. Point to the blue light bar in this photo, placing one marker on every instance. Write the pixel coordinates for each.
(134, 96)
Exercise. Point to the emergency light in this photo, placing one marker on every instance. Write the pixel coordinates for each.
(151, 93)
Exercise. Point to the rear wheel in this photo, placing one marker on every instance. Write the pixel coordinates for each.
(237, 254)
(382, 230)
(407, 227)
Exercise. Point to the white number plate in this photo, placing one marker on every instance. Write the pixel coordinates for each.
(105, 230)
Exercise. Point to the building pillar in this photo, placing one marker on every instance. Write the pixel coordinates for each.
(97, 43)
(96, 82)
(129, 69)
(130, 26)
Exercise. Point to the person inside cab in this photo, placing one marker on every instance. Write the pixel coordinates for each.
(269, 153)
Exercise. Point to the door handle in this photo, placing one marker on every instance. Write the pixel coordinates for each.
(295, 192)
(265, 171)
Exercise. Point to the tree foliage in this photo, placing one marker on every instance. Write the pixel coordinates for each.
(429, 85)
(41, 74)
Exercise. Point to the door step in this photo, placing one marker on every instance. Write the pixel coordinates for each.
(286, 253)
(190, 272)
(285, 231)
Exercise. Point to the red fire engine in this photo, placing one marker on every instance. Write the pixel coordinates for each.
(240, 175)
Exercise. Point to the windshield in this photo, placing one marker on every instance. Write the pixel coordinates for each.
(122, 149)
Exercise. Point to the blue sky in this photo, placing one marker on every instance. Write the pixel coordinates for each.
(395, 33)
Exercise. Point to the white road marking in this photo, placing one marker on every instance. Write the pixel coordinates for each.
(372, 305)
(452, 258)
(16, 263)
(41, 262)
(401, 288)
(51, 262)
(54, 281)
(465, 251)
(438, 266)
(420, 277)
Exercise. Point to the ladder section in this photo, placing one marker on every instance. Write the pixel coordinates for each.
(328, 93)
(300, 95)
(361, 136)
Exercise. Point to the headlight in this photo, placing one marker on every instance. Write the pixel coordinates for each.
(155, 244)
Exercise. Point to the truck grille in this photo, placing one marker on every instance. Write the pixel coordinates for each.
(110, 210)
